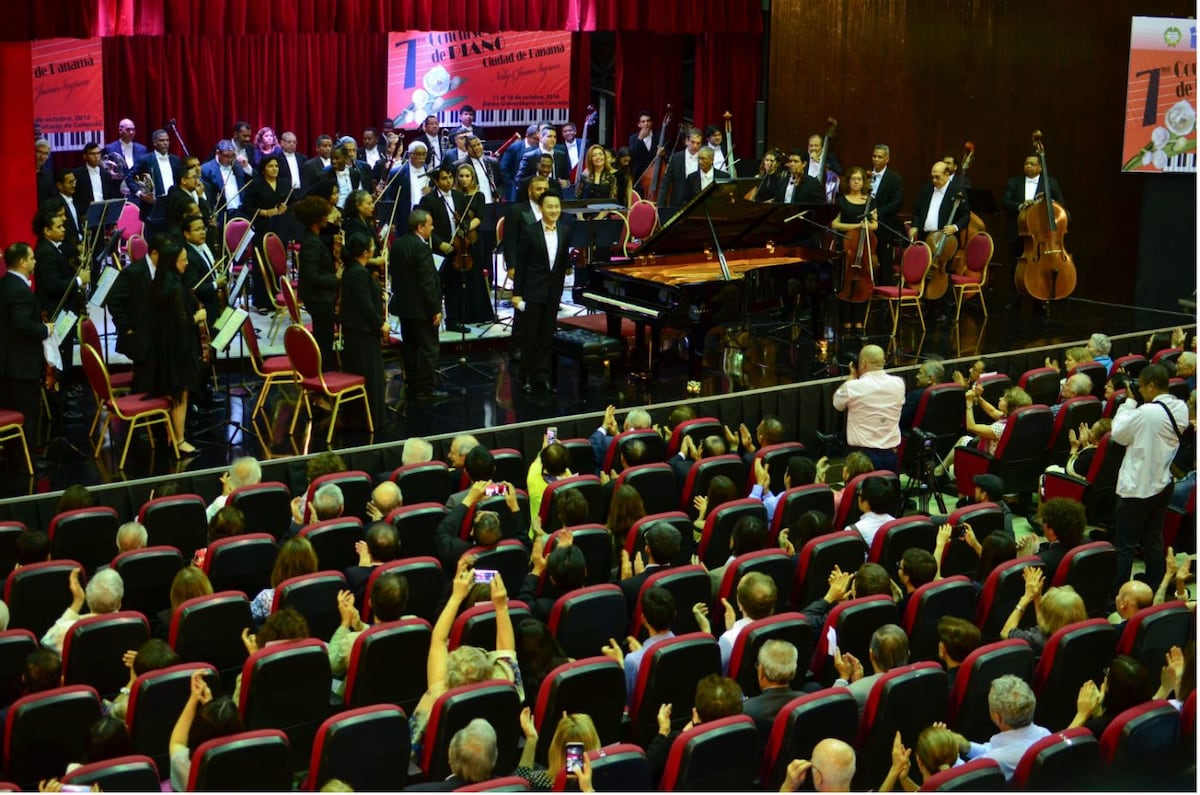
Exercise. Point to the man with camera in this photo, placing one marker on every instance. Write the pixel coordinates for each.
(873, 400)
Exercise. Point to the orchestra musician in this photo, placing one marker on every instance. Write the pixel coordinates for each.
(56, 283)
(715, 138)
(544, 169)
(359, 218)
(680, 166)
(534, 161)
(45, 173)
(771, 178)
(409, 182)
(477, 306)
(319, 274)
(343, 171)
(200, 277)
(1019, 192)
(641, 144)
(129, 302)
(417, 301)
(185, 191)
(265, 201)
(265, 143)
(373, 154)
(224, 183)
(362, 319)
(571, 145)
(91, 183)
(292, 162)
(623, 163)
(162, 166)
(313, 168)
(21, 360)
(513, 155)
(129, 150)
(815, 142)
(448, 208)
(932, 214)
(888, 189)
(65, 184)
(852, 209)
(703, 176)
(487, 171)
(542, 264)
(174, 358)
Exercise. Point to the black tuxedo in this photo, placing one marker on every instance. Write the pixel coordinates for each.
(417, 300)
(311, 172)
(510, 162)
(436, 155)
(888, 198)
(356, 177)
(529, 165)
(214, 184)
(1014, 197)
(177, 197)
(808, 191)
(129, 302)
(516, 221)
(539, 281)
(139, 151)
(21, 357)
(150, 165)
(53, 275)
(435, 205)
(285, 174)
(198, 278)
(399, 190)
(675, 181)
(83, 191)
(640, 155)
(71, 241)
(691, 186)
(553, 189)
(959, 219)
(491, 166)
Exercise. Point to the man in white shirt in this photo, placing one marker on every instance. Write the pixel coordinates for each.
(292, 160)
(1151, 433)
(875, 499)
(1012, 704)
(704, 175)
(681, 166)
(757, 595)
(244, 471)
(223, 181)
(103, 595)
(874, 400)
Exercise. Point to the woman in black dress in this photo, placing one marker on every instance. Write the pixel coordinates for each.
(853, 207)
(622, 162)
(363, 320)
(599, 179)
(359, 218)
(476, 305)
(175, 345)
(319, 274)
(266, 200)
(771, 181)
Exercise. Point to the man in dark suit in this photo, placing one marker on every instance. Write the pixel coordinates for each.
(365, 180)
(682, 165)
(939, 210)
(224, 181)
(703, 176)
(800, 188)
(199, 275)
(545, 166)
(571, 145)
(22, 331)
(777, 663)
(291, 163)
(417, 301)
(162, 166)
(521, 215)
(408, 183)
(344, 172)
(642, 146)
(126, 148)
(472, 756)
(1020, 191)
(64, 197)
(448, 208)
(129, 303)
(560, 166)
(662, 544)
(510, 161)
(487, 171)
(91, 182)
(887, 187)
(188, 189)
(542, 264)
(311, 171)
(430, 135)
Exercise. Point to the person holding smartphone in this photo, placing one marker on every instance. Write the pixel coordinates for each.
(574, 736)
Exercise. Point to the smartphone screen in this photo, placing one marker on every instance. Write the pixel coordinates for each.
(552, 433)
(495, 489)
(574, 758)
(484, 575)
(831, 639)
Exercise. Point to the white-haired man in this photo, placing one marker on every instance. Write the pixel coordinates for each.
(103, 595)
(243, 471)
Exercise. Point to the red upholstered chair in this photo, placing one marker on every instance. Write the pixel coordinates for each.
(235, 232)
(906, 699)
(978, 258)
(796, 501)
(596, 544)
(292, 302)
(1152, 631)
(333, 540)
(1043, 384)
(688, 585)
(415, 526)
(594, 686)
(775, 458)
(1090, 569)
(775, 563)
(718, 527)
(1019, 457)
(1098, 490)
(37, 594)
(12, 426)
(855, 621)
(580, 454)
(643, 219)
(122, 383)
(367, 747)
(155, 700)
(967, 711)
(635, 540)
(286, 687)
(701, 475)
(1072, 413)
(668, 675)
(178, 521)
(847, 510)
(1074, 654)
(129, 223)
(272, 370)
(45, 731)
(510, 466)
(9, 533)
(208, 629)
(509, 557)
(15, 646)
(952, 596)
(911, 288)
(424, 577)
(1131, 363)
(721, 754)
(267, 507)
(335, 385)
(802, 723)
(620, 767)
(654, 483)
(656, 448)
(387, 664)
(697, 429)
(249, 761)
(958, 557)
(501, 784)
(898, 535)
(93, 646)
(1187, 722)
(476, 626)
(743, 660)
(817, 559)
(940, 414)
(87, 535)
(1141, 747)
(147, 575)
(1095, 371)
(241, 563)
(496, 702)
(1058, 763)
(1113, 403)
(356, 487)
(978, 775)
(121, 774)
(587, 485)
(139, 410)
(993, 385)
(272, 268)
(314, 596)
(584, 619)
(1001, 590)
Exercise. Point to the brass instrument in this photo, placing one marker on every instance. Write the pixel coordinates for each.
(114, 165)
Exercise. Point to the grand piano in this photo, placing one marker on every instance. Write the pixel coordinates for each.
(719, 260)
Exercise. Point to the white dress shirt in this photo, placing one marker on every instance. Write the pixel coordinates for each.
(345, 186)
(233, 199)
(874, 401)
(293, 167)
(551, 236)
(706, 177)
(448, 200)
(97, 184)
(481, 177)
(416, 183)
(70, 203)
(876, 179)
(718, 159)
(691, 162)
(935, 207)
(165, 171)
(1031, 186)
(1150, 443)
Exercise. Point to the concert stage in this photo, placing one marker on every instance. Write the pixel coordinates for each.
(759, 366)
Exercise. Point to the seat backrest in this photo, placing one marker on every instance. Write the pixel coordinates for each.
(775, 458)
(251, 339)
(476, 626)
(643, 219)
(1042, 384)
(424, 577)
(1152, 631)
(259, 760)
(45, 731)
(846, 549)
(501, 784)
(654, 483)
(596, 544)
(701, 475)
(1073, 412)
(952, 596)
(88, 334)
(1141, 736)
(147, 574)
(1058, 762)
(122, 774)
(93, 647)
(978, 775)
(594, 686)
(276, 254)
(87, 535)
(1001, 590)
(635, 540)
(494, 701)
(655, 448)
(155, 700)
(906, 699)
(587, 485)
(96, 373)
(720, 755)
(315, 597)
(796, 501)
(37, 594)
(1073, 654)
(241, 563)
(303, 352)
(9, 533)
(1131, 363)
(208, 629)
(802, 723)
(286, 687)
(1095, 371)
(356, 487)
(15, 646)
(583, 620)
(979, 253)
(509, 557)
(743, 660)
(267, 507)
(967, 711)
(894, 537)
(367, 747)
(387, 664)
(848, 511)
(138, 247)
(668, 674)
(620, 767)
(855, 621)
(940, 413)
(688, 585)
(1022, 447)
(415, 524)
(333, 540)
(510, 466)
(718, 528)
(774, 563)
(914, 263)
(696, 428)
(1090, 570)
(178, 521)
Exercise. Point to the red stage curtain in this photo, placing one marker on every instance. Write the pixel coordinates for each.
(647, 77)
(16, 161)
(671, 16)
(728, 72)
(581, 78)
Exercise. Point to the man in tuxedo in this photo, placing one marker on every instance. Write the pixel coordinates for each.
(703, 176)
(814, 158)
(199, 276)
(545, 167)
(45, 174)
(54, 275)
(224, 181)
(22, 363)
(560, 168)
(521, 216)
(187, 190)
(887, 188)
(372, 154)
(350, 146)
(343, 171)
(313, 170)
(542, 264)
(408, 183)
(129, 303)
(448, 207)
(802, 189)
(417, 301)
(64, 196)
(715, 139)
(510, 162)
(1022, 190)
(162, 166)
(430, 136)
(292, 162)
(936, 211)
(242, 137)
(642, 145)
(572, 145)
(487, 171)
(466, 120)
(681, 166)
(91, 183)
(130, 150)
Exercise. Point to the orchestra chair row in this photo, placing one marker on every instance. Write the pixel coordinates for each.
(12, 426)
(138, 410)
(333, 385)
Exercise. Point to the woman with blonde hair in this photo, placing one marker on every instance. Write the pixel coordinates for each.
(1057, 608)
(937, 750)
(573, 728)
(599, 178)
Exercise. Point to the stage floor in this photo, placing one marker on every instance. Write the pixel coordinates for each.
(485, 393)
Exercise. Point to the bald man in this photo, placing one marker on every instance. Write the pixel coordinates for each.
(936, 211)
(832, 767)
(1132, 597)
(873, 400)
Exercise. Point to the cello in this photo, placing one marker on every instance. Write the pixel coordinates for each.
(580, 165)
(860, 260)
(1045, 270)
(944, 246)
(651, 178)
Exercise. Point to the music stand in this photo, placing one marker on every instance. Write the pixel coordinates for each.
(597, 233)
(225, 328)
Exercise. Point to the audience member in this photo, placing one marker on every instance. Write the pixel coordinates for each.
(552, 463)
(720, 491)
(957, 638)
(1099, 346)
(296, 556)
(873, 400)
(871, 579)
(1185, 368)
(987, 437)
(416, 451)
(756, 599)
(538, 653)
(190, 582)
(565, 570)
(1127, 683)
(389, 598)
(226, 523)
(1075, 385)
(1063, 521)
(33, 546)
(690, 452)
(625, 509)
(1132, 597)
(875, 499)
(662, 544)
(801, 471)
(803, 529)
(749, 534)
(103, 595)
(602, 438)
(917, 567)
(487, 527)
(833, 765)
(153, 655)
(716, 697)
(73, 498)
(1056, 609)
(131, 536)
(937, 750)
(770, 430)
(203, 718)
(1012, 704)
(572, 728)
(658, 613)
(473, 752)
(929, 373)
(778, 661)
(479, 466)
(3, 616)
(244, 471)
(286, 625)
(855, 464)
(888, 650)
(381, 545)
(385, 498)
(326, 463)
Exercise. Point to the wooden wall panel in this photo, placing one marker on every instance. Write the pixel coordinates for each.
(923, 76)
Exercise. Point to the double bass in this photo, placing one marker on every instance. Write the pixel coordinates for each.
(943, 246)
(581, 164)
(831, 179)
(1045, 270)
(650, 179)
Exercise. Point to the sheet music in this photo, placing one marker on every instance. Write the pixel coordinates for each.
(51, 352)
(245, 242)
(223, 319)
(103, 285)
(438, 259)
(63, 325)
(239, 284)
(230, 327)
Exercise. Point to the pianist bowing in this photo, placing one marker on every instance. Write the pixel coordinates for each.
(541, 270)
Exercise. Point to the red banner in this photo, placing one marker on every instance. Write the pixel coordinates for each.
(1160, 106)
(439, 72)
(68, 85)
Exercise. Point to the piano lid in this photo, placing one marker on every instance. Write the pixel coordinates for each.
(739, 223)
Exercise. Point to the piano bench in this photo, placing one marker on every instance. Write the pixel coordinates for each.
(588, 347)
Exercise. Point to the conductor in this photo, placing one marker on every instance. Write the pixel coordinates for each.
(417, 301)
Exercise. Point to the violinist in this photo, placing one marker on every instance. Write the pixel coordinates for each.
(21, 364)
(319, 273)
(363, 319)
(359, 218)
(448, 209)
(771, 178)
(200, 276)
(938, 211)
(175, 363)
(57, 283)
(187, 190)
(852, 210)
(476, 305)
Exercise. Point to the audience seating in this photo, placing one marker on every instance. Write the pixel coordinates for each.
(1178, 519)
(1098, 490)
(1073, 412)
(898, 535)
(635, 540)
(356, 487)
(583, 620)
(497, 503)
(208, 629)
(367, 747)
(147, 574)
(718, 528)
(267, 507)
(88, 535)
(501, 784)
(155, 700)
(580, 454)
(656, 448)
(37, 594)
(177, 521)
(250, 761)
(743, 661)
(993, 386)
(286, 687)
(856, 621)
(848, 511)
(697, 429)
(333, 540)
(967, 711)
(1074, 654)
(476, 626)
(1019, 456)
(775, 458)
(1044, 385)
(496, 702)
(241, 563)
(801, 724)
(1095, 371)
(688, 585)
(596, 543)
(978, 775)
(510, 467)
(1001, 590)
(1113, 403)
(952, 596)
(774, 563)
(139, 410)
(9, 532)
(47, 730)
(668, 674)
(594, 686)
(425, 482)
(416, 525)
(1152, 631)
(1090, 569)
(906, 699)
(1061, 762)
(796, 501)
(15, 646)
(984, 518)
(654, 483)
(940, 413)
(508, 557)
(1131, 363)
(620, 767)
(122, 774)
(93, 647)
(1140, 746)
(424, 577)
(715, 755)
(701, 474)
(587, 485)
(845, 549)
(387, 664)
(314, 596)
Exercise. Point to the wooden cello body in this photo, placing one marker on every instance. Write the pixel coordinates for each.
(949, 250)
(859, 264)
(650, 181)
(1045, 270)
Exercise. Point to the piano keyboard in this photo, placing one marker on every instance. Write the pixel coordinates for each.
(1181, 164)
(68, 141)
(499, 118)
(608, 300)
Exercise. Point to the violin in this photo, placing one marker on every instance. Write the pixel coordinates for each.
(205, 339)
(649, 180)
(50, 377)
(465, 237)
(859, 260)
(1045, 270)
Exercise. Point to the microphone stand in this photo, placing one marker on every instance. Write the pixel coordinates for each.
(171, 126)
